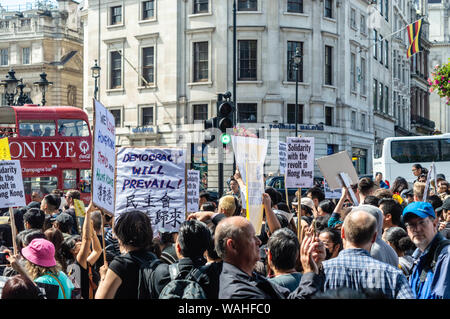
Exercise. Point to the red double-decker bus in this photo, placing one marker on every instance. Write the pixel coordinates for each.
(53, 144)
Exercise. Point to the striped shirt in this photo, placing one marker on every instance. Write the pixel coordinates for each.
(356, 269)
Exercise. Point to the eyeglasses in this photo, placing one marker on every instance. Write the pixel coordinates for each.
(421, 223)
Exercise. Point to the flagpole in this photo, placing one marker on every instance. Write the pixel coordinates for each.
(389, 36)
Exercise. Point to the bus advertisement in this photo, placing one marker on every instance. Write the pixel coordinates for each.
(53, 144)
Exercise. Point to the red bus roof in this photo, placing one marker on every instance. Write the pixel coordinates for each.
(32, 112)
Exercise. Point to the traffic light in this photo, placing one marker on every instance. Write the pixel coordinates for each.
(208, 126)
(224, 112)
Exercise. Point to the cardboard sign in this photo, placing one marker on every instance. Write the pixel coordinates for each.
(282, 156)
(330, 193)
(11, 184)
(193, 190)
(80, 210)
(331, 166)
(300, 162)
(5, 154)
(103, 159)
(152, 180)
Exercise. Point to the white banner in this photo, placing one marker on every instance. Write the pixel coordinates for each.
(104, 158)
(11, 184)
(300, 162)
(152, 180)
(193, 190)
(282, 156)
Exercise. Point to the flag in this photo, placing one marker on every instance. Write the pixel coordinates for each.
(414, 32)
(5, 155)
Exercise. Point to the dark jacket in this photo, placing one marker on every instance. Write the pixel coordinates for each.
(236, 284)
(209, 283)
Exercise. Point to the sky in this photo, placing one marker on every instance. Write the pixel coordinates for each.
(16, 3)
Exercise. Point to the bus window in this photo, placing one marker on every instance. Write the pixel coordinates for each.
(85, 181)
(36, 128)
(445, 150)
(43, 184)
(73, 128)
(70, 179)
(415, 151)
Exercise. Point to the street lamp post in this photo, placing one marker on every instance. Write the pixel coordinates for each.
(95, 74)
(43, 85)
(10, 85)
(296, 60)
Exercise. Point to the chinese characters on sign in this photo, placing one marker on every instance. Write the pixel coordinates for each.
(152, 180)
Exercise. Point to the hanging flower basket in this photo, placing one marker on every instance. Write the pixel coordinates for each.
(440, 81)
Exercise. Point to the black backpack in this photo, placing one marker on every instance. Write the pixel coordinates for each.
(146, 271)
(434, 253)
(184, 288)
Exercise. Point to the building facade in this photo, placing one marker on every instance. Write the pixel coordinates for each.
(163, 64)
(44, 40)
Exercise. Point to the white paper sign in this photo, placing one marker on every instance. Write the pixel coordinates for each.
(300, 162)
(282, 156)
(103, 165)
(11, 184)
(427, 184)
(193, 190)
(152, 180)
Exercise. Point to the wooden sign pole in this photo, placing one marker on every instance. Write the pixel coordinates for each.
(299, 216)
(13, 230)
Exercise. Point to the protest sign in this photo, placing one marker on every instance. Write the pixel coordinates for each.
(254, 190)
(103, 158)
(5, 154)
(11, 184)
(152, 180)
(330, 193)
(193, 190)
(332, 165)
(80, 210)
(427, 184)
(300, 162)
(282, 156)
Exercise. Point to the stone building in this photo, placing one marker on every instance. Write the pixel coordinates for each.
(42, 39)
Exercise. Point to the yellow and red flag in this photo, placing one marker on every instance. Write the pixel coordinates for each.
(414, 31)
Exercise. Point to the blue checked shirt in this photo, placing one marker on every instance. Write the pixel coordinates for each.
(356, 269)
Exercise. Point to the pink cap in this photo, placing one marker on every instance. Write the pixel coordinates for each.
(40, 252)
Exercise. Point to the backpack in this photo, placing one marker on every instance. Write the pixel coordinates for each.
(183, 288)
(434, 253)
(146, 271)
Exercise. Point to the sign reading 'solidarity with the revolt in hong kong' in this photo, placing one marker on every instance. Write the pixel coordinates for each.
(300, 162)
(11, 184)
(152, 180)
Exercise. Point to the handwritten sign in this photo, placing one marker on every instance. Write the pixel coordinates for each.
(5, 154)
(300, 162)
(152, 180)
(103, 164)
(11, 184)
(193, 190)
(80, 210)
(282, 156)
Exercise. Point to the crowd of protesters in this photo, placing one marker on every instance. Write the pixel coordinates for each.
(391, 244)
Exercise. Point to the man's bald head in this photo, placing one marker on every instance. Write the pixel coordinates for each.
(359, 227)
(231, 227)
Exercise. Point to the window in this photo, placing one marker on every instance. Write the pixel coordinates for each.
(386, 54)
(363, 122)
(380, 93)
(69, 179)
(353, 18)
(295, 6)
(4, 57)
(25, 55)
(291, 48)
(200, 112)
(328, 8)
(201, 61)
(353, 72)
(85, 180)
(116, 15)
(328, 65)
(363, 77)
(147, 116)
(42, 184)
(247, 112)
(375, 44)
(328, 115)
(36, 128)
(386, 99)
(291, 114)
(386, 10)
(201, 6)
(73, 128)
(117, 117)
(362, 25)
(247, 60)
(353, 120)
(148, 9)
(148, 65)
(380, 6)
(247, 5)
(419, 151)
(115, 70)
(375, 94)
(381, 49)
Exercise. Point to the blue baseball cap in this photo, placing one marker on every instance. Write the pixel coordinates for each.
(420, 209)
